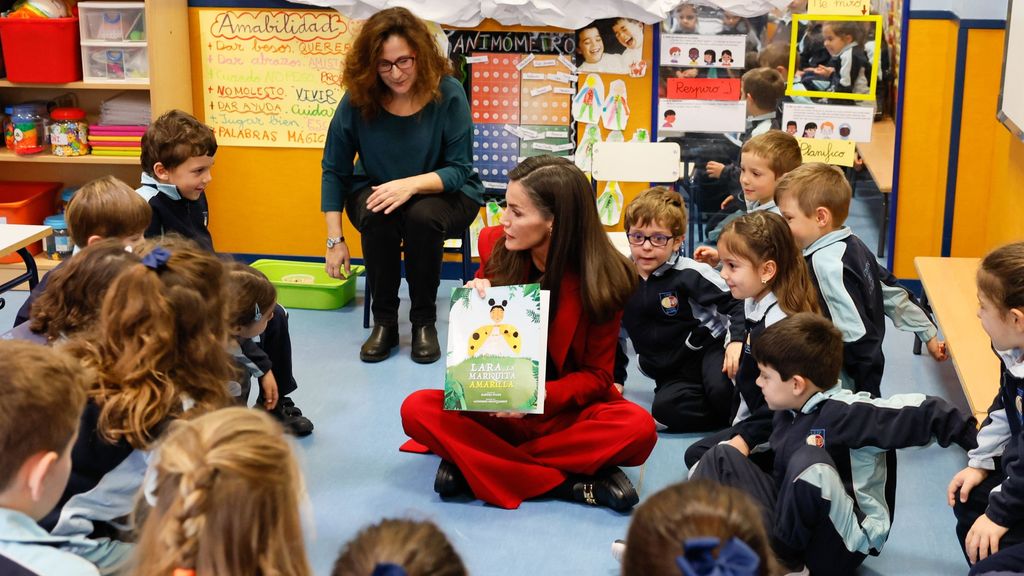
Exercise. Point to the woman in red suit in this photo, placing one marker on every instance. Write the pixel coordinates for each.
(551, 234)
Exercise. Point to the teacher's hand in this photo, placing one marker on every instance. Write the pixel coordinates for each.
(480, 285)
(338, 260)
(390, 195)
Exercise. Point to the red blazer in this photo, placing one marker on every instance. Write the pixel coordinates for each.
(570, 332)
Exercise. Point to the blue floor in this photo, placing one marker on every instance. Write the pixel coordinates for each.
(355, 474)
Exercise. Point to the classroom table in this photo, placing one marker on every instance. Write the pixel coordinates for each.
(878, 159)
(17, 238)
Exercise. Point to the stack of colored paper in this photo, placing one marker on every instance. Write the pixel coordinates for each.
(116, 140)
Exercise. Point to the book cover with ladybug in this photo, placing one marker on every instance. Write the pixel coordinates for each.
(497, 350)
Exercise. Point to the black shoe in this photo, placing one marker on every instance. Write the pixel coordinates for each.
(425, 348)
(378, 346)
(610, 488)
(292, 419)
(450, 481)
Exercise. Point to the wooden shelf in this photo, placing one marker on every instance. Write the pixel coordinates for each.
(7, 155)
(79, 85)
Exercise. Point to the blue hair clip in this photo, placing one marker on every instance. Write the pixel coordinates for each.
(157, 258)
(256, 317)
(735, 558)
(387, 569)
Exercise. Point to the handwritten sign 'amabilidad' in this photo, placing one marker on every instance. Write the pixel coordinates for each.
(704, 88)
(837, 152)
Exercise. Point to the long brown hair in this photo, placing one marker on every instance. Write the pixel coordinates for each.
(579, 243)
(366, 91)
(227, 500)
(159, 341)
(419, 548)
(694, 509)
(1001, 276)
(73, 298)
(762, 236)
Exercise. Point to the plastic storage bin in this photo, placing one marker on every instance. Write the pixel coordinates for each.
(306, 284)
(41, 49)
(112, 21)
(114, 41)
(26, 203)
(115, 63)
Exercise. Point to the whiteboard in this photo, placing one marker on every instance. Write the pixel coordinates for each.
(1011, 95)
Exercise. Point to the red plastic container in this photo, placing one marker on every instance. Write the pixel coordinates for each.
(41, 49)
(26, 203)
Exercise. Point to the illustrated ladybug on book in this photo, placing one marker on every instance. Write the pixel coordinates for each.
(483, 340)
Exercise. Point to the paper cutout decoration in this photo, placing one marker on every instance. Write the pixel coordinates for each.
(838, 152)
(588, 102)
(641, 135)
(495, 152)
(609, 204)
(615, 136)
(495, 90)
(494, 211)
(474, 231)
(585, 152)
(616, 109)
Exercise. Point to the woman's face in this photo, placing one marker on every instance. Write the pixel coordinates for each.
(591, 45)
(628, 33)
(396, 50)
(526, 228)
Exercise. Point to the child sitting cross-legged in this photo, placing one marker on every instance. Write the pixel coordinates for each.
(685, 326)
(829, 501)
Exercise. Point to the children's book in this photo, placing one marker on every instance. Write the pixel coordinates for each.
(497, 350)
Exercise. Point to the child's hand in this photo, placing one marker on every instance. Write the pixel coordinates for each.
(964, 481)
(514, 415)
(732, 358)
(714, 169)
(740, 444)
(619, 387)
(937, 348)
(269, 385)
(728, 200)
(480, 285)
(824, 71)
(707, 255)
(983, 539)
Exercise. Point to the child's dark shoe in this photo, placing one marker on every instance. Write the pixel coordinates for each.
(291, 418)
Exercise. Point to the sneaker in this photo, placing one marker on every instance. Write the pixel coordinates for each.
(291, 418)
(619, 550)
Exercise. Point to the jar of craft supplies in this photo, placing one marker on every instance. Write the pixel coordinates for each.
(69, 132)
(58, 244)
(5, 118)
(29, 129)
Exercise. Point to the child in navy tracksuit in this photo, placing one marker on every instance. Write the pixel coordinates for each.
(988, 496)
(177, 155)
(854, 290)
(685, 326)
(829, 501)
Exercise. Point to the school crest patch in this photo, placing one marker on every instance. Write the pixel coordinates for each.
(669, 303)
(816, 437)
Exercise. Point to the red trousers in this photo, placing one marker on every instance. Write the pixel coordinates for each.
(507, 460)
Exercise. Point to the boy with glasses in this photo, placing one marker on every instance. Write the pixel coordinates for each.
(685, 326)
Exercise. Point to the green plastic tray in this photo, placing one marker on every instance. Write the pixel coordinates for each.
(324, 293)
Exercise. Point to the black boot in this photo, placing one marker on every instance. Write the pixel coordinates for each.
(425, 349)
(450, 481)
(609, 487)
(378, 346)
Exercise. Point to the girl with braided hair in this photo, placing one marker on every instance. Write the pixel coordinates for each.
(158, 351)
(225, 497)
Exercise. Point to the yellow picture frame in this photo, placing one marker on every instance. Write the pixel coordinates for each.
(873, 83)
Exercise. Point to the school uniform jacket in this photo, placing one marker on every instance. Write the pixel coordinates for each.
(28, 550)
(860, 434)
(1002, 435)
(852, 70)
(582, 353)
(752, 419)
(856, 293)
(675, 314)
(173, 213)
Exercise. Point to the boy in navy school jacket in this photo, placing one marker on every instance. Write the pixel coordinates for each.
(854, 291)
(829, 502)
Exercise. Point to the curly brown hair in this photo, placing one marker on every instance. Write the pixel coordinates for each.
(366, 91)
(173, 138)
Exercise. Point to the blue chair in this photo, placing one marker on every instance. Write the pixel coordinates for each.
(465, 248)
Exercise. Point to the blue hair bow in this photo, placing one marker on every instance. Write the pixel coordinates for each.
(387, 569)
(157, 258)
(735, 558)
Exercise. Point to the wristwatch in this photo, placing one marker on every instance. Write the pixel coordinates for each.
(332, 242)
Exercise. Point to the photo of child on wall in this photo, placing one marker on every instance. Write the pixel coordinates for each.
(612, 46)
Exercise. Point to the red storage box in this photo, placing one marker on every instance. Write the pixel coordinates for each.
(41, 49)
(26, 203)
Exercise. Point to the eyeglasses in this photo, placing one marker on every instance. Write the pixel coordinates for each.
(403, 63)
(657, 240)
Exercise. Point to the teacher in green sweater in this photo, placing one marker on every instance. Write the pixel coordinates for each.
(413, 184)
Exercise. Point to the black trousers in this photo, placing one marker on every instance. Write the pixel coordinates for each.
(276, 341)
(1011, 545)
(421, 226)
(698, 400)
(796, 512)
(764, 460)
